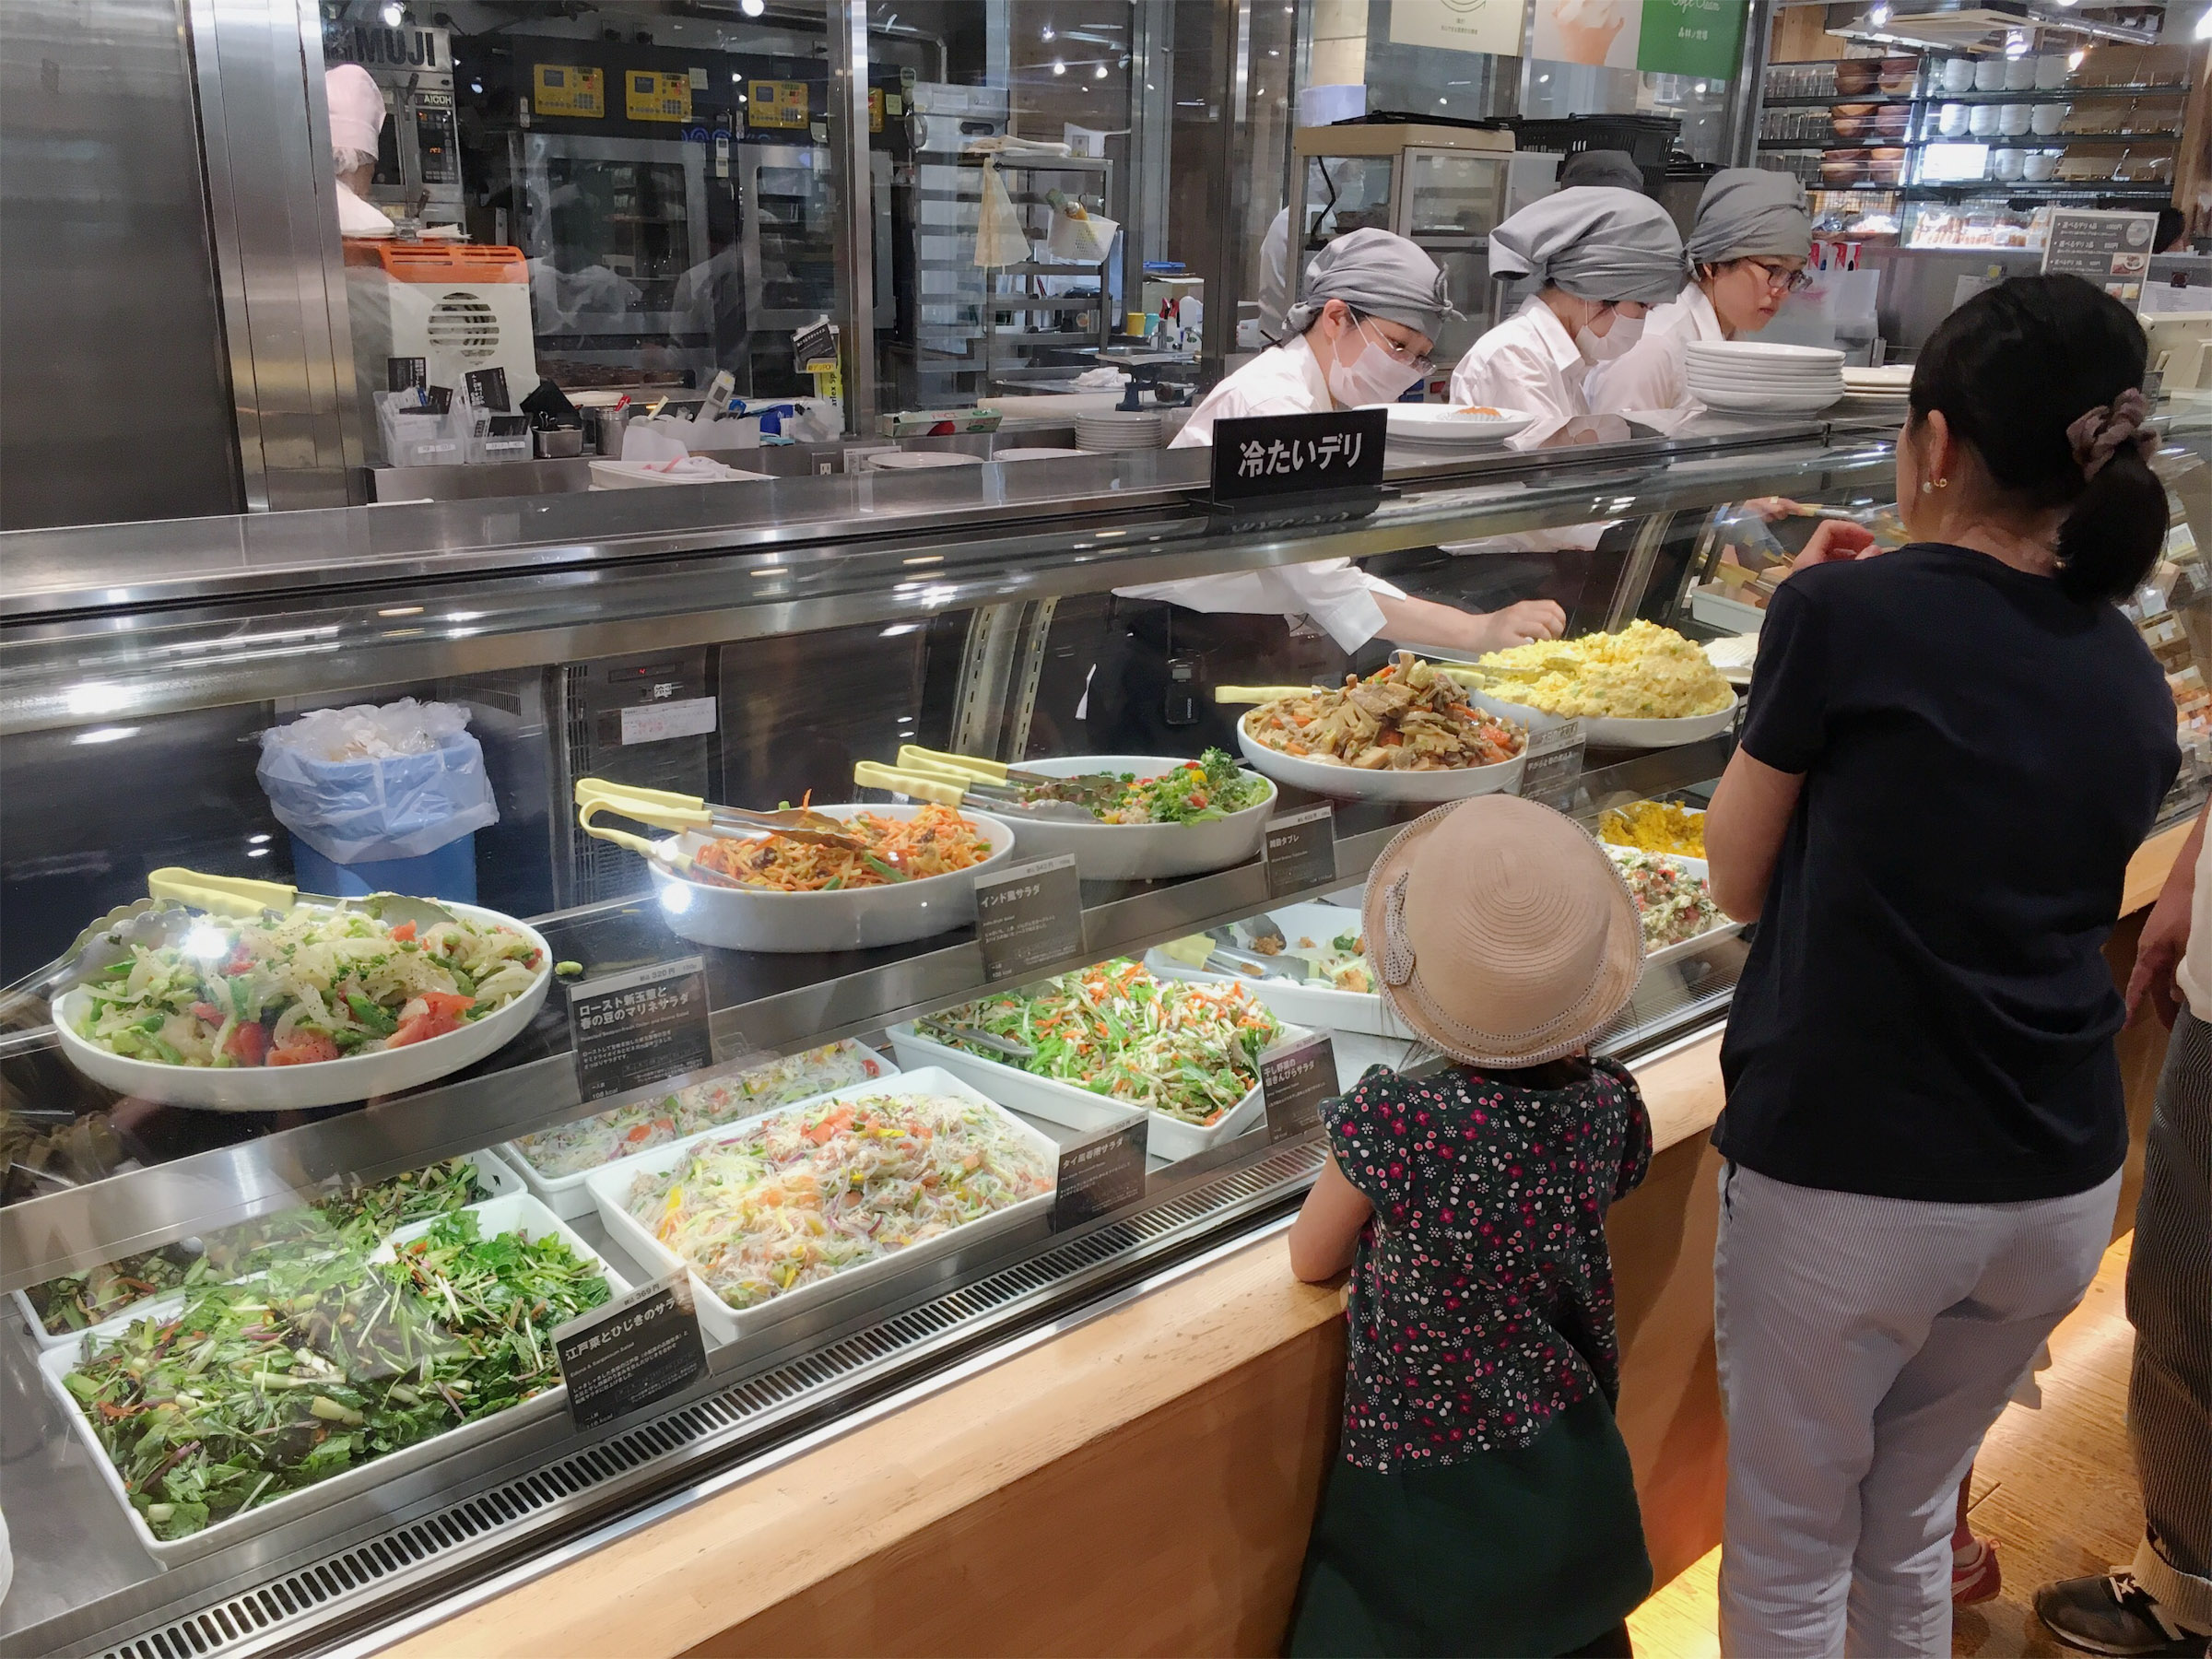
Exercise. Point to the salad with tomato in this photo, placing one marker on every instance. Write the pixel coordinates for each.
(313, 985)
(1197, 792)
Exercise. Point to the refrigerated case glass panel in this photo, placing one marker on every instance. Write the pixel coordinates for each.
(1452, 193)
(1345, 193)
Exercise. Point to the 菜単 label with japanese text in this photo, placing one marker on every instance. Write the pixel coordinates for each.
(1299, 851)
(1028, 917)
(636, 1028)
(1269, 455)
(1099, 1175)
(1294, 1080)
(636, 1350)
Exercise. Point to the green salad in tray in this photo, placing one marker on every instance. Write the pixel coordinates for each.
(352, 1214)
(261, 1386)
(1213, 786)
(311, 985)
(1190, 1051)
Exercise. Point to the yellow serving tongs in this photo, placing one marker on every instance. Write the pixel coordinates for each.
(1259, 694)
(927, 780)
(242, 897)
(668, 810)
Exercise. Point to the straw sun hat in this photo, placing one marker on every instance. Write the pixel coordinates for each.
(1501, 933)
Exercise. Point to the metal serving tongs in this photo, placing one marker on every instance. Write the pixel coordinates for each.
(947, 789)
(165, 916)
(948, 1031)
(668, 810)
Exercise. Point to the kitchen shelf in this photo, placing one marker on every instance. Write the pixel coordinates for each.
(1994, 141)
(2027, 95)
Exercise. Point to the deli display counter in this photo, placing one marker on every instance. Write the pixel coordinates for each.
(285, 1365)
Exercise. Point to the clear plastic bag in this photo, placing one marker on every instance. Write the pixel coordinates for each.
(365, 783)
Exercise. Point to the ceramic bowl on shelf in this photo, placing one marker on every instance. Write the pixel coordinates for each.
(2040, 167)
(1855, 78)
(1958, 75)
(2020, 72)
(2049, 119)
(1989, 74)
(2007, 166)
(1851, 129)
(1981, 120)
(2051, 70)
(1952, 120)
(2014, 120)
(1896, 75)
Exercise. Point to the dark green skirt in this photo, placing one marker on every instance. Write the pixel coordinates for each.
(1528, 1552)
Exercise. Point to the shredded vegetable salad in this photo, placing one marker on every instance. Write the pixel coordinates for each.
(1187, 1049)
(1213, 786)
(574, 1148)
(1405, 717)
(809, 1193)
(936, 841)
(307, 987)
(1673, 900)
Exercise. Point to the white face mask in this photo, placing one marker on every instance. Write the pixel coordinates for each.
(1611, 345)
(1372, 376)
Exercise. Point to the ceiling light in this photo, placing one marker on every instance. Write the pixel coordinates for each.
(1059, 67)
(752, 8)
(2073, 61)
(395, 13)
(1045, 33)
(105, 735)
(1100, 73)
(1878, 16)
(2203, 25)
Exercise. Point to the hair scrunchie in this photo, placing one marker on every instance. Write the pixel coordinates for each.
(2098, 435)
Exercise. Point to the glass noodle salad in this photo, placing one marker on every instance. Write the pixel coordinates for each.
(310, 985)
(572, 1148)
(1190, 1051)
(811, 1191)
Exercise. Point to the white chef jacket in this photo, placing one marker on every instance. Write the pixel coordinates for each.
(1651, 382)
(1340, 597)
(1529, 362)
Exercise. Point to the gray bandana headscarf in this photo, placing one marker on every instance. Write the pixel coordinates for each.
(1611, 167)
(1595, 243)
(1374, 272)
(1747, 212)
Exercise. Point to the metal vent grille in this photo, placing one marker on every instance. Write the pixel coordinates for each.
(282, 1610)
(462, 323)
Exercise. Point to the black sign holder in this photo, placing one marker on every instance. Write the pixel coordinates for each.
(1294, 1080)
(635, 1029)
(1299, 468)
(1099, 1174)
(631, 1353)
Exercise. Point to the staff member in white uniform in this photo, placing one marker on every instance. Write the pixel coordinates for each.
(1748, 254)
(1601, 257)
(1373, 304)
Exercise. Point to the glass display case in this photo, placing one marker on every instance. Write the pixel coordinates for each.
(282, 1362)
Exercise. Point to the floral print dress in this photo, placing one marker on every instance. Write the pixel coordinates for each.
(1484, 1501)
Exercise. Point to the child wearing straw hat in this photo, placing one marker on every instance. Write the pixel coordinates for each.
(1483, 1501)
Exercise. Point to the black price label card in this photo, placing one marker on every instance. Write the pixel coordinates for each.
(636, 1349)
(1295, 1080)
(1554, 770)
(1030, 917)
(1264, 456)
(1099, 1174)
(1300, 851)
(632, 1029)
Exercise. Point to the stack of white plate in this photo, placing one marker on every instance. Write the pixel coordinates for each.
(1033, 452)
(1118, 429)
(1751, 377)
(1889, 386)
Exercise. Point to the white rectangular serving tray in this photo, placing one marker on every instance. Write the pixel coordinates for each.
(514, 1213)
(1322, 1006)
(612, 1184)
(497, 1176)
(1058, 1102)
(1697, 942)
(568, 1197)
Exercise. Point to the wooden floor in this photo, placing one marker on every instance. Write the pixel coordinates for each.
(2054, 1487)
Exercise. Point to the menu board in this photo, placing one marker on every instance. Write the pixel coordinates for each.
(2112, 249)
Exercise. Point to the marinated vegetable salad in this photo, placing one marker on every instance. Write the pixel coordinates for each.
(353, 1215)
(588, 1145)
(1672, 900)
(1189, 1051)
(307, 987)
(1406, 716)
(809, 1193)
(258, 1388)
(1213, 786)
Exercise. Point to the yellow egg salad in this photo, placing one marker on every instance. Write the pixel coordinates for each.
(1644, 672)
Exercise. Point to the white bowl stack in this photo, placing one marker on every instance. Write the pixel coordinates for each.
(1751, 377)
(1889, 387)
(1113, 430)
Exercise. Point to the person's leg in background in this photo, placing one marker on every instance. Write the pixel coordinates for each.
(2163, 1604)
(1975, 1575)
(2038, 1261)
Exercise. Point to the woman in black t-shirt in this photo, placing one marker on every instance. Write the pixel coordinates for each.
(1950, 755)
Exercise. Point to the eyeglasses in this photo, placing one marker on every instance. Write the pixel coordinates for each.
(1398, 350)
(1780, 277)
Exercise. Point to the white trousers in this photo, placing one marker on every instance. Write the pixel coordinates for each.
(1866, 1347)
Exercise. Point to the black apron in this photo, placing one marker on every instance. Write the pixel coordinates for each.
(1152, 692)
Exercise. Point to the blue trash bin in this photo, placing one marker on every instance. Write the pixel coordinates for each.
(449, 873)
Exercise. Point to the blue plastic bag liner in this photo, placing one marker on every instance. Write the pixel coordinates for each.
(373, 783)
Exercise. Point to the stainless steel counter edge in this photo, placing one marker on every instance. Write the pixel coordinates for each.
(112, 567)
